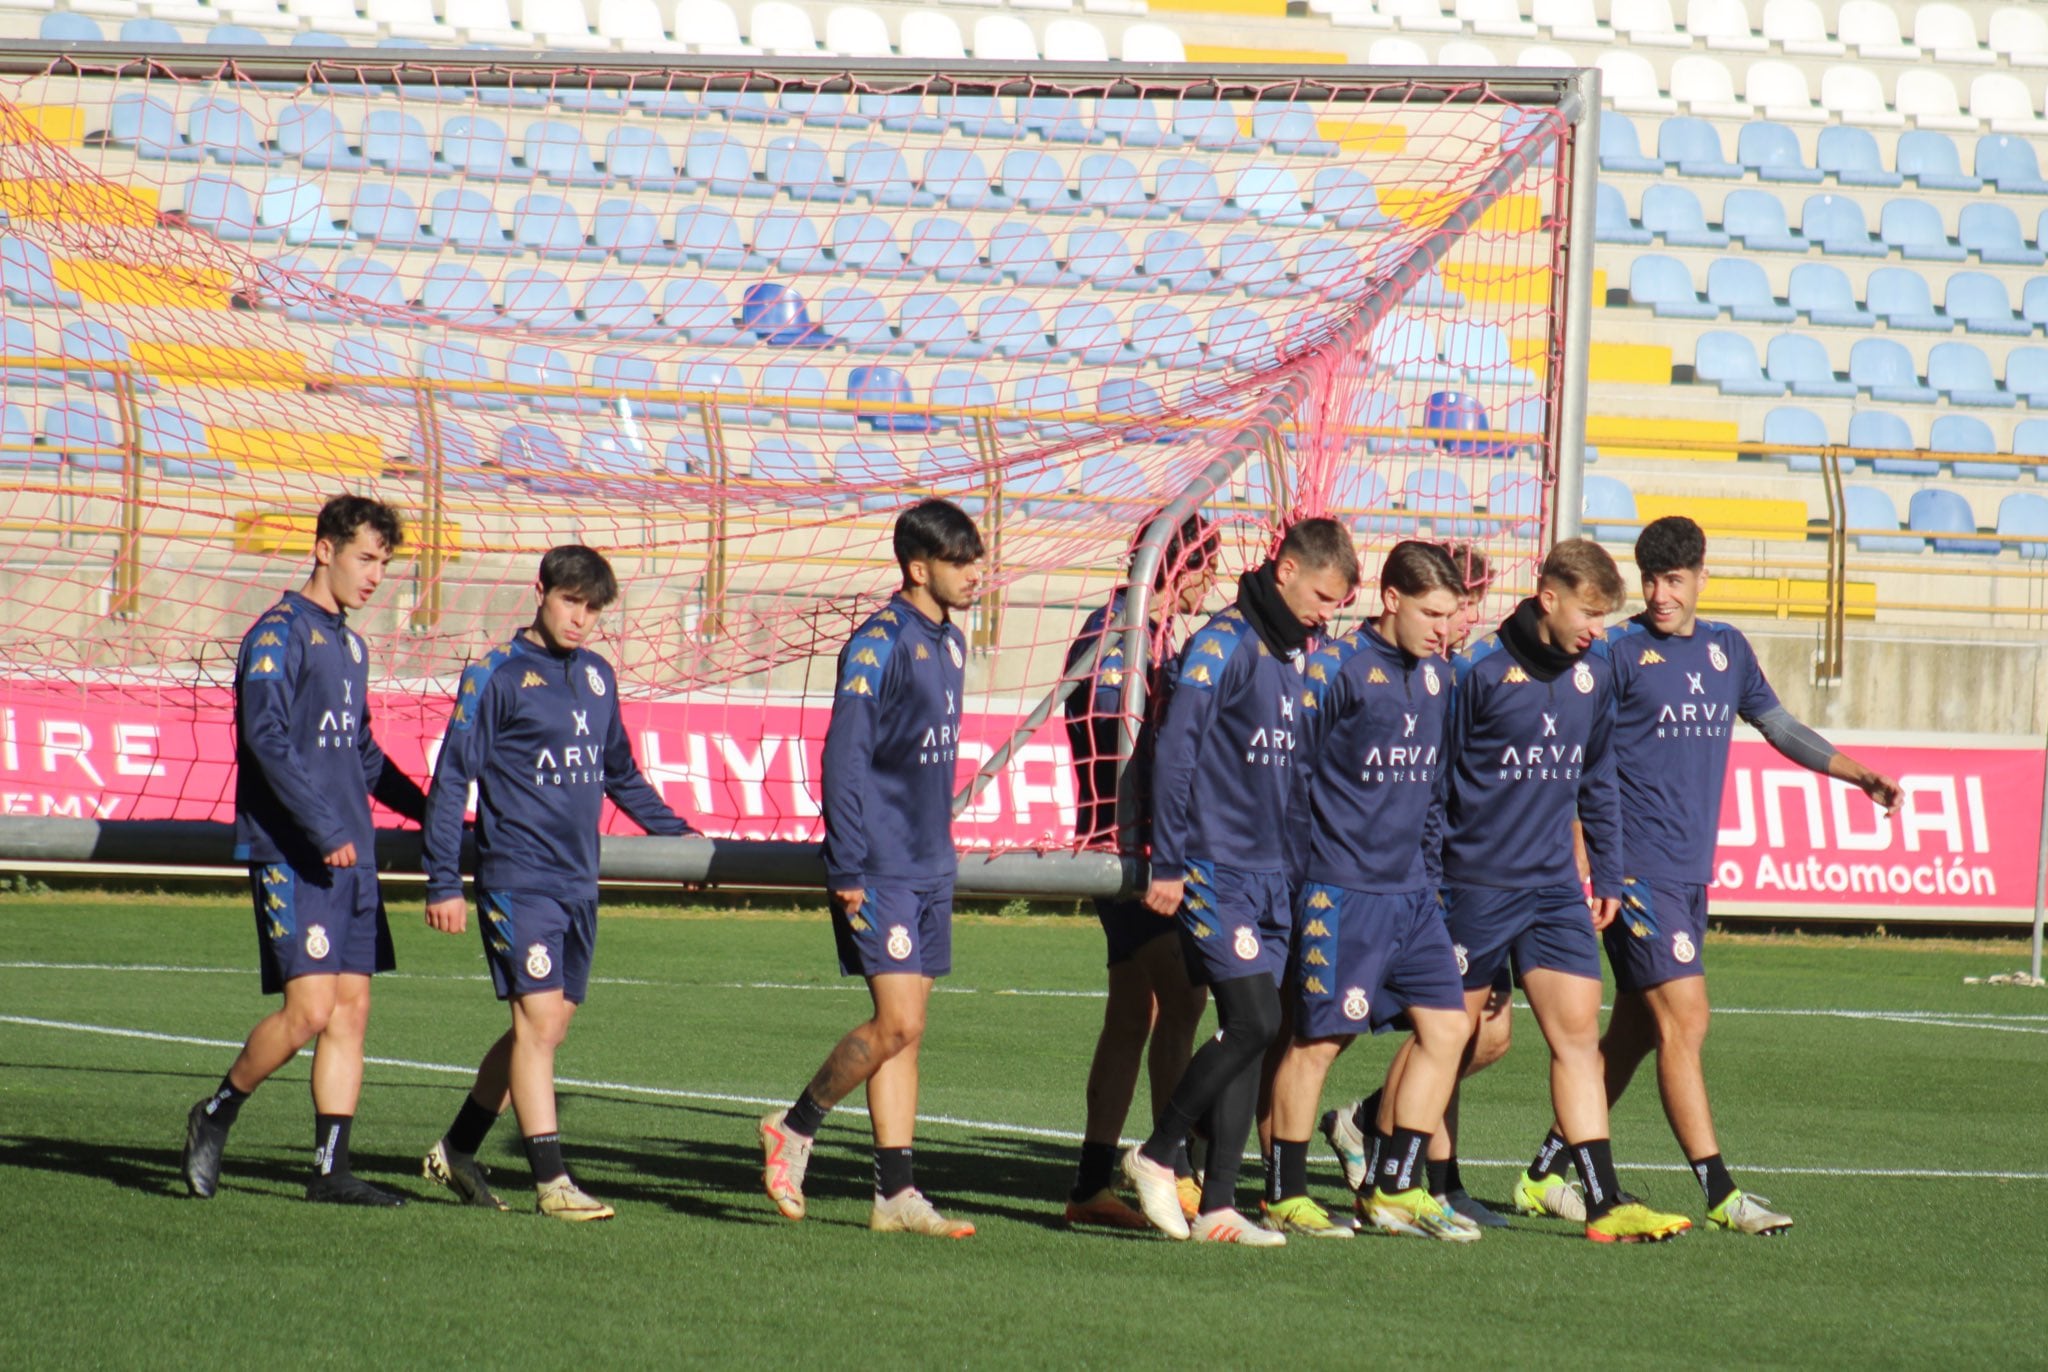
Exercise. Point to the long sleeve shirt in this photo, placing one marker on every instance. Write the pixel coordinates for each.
(306, 761)
(540, 735)
(1095, 722)
(891, 751)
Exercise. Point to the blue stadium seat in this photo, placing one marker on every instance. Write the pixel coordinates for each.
(222, 130)
(960, 179)
(1881, 430)
(1691, 147)
(1914, 228)
(613, 373)
(1011, 326)
(947, 249)
(372, 287)
(610, 452)
(641, 159)
(1801, 362)
(1210, 125)
(1869, 508)
(64, 27)
(885, 386)
(18, 343)
(1056, 119)
(1456, 410)
(978, 116)
(936, 325)
(1899, 297)
(1273, 194)
(1836, 223)
(1884, 368)
(1728, 360)
(1289, 129)
(788, 385)
(777, 314)
(1090, 332)
(476, 148)
(394, 140)
(1127, 397)
(1025, 255)
(630, 234)
(1329, 267)
(787, 461)
(363, 355)
(1757, 218)
(146, 124)
(618, 307)
(856, 320)
(1133, 123)
(1992, 232)
(1190, 184)
(1965, 433)
(1252, 265)
(149, 32)
(1519, 125)
(1163, 335)
(824, 110)
(1177, 260)
(687, 455)
(721, 381)
(715, 161)
(1739, 286)
(458, 360)
(798, 166)
(1440, 495)
(1102, 258)
(225, 209)
(1366, 489)
(103, 353)
(537, 365)
(458, 294)
(1962, 373)
(526, 450)
(1821, 292)
(878, 173)
(1037, 182)
(1979, 300)
(2026, 375)
(2009, 164)
(235, 35)
(1407, 345)
(861, 461)
(698, 311)
(1933, 510)
(1769, 149)
(2023, 513)
(1665, 285)
(1673, 212)
(537, 299)
(555, 152)
(1515, 502)
(1345, 197)
(960, 388)
(1482, 352)
(177, 442)
(1110, 184)
(866, 243)
(1790, 424)
(78, 434)
(466, 221)
(18, 441)
(2030, 439)
(1850, 155)
(1239, 338)
(1053, 394)
(549, 226)
(1929, 158)
(27, 276)
(1621, 147)
(1430, 293)
(711, 238)
(311, 135)
(741, 107)
(1608, 499)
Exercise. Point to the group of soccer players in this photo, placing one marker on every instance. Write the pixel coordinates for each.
(1347, 833)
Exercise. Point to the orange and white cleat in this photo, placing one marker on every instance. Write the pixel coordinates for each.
(784, 1156)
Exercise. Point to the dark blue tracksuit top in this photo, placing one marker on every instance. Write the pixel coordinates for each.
(890, 752)
(305, 760)
(1376, 724)
(1223, 779)
(1095, 719)
(1676, 701)
(1524, 757)
(540, 736)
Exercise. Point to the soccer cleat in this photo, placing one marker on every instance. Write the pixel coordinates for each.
(1472, 1211)
(1548, 1195)
(1189, 1190)
(785, 1154)
(1419, 1215)
(1158, 1193)
(204, 1141)
(908, 1212)
(1635, 1222)
(1340, 1127)
(462, 1174)
(1105, 1210)
(1743, 1213)
(1302, 1215)
(563, 1199)
(1227, 1226)
(345, 1188)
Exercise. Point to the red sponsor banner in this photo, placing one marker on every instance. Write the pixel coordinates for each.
(1964, 842)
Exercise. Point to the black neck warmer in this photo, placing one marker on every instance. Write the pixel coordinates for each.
(1519, 635)
(1258, 595)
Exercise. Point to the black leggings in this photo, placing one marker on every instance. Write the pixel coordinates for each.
(1221, 1086)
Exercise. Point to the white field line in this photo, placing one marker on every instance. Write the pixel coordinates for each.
(954, 1121)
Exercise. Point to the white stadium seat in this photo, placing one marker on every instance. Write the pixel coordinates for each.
(1004, 38)
(408, 19)
(2020, 36)
(1704, 85)
(328, 16)
(1779, 90)
(1571, 21)
(1353, 14)
(779, 27)
(1724, 24)
(1928, 98)
(1796, 26)
(1871, 27)
(931, 36)
(1950, 34)
(486, 21)
(1629, 83)
(1855, 96)
(635, 25)
(1543, 55)
(710, 27)
(1397, 52)
(1420, 16)
(1074, 40)
(1648, 24)
(1152, 43)
(559, 24)
(1496, 18)
(1462, 52)
(2004, 102)
(258, 14)
(853, 31)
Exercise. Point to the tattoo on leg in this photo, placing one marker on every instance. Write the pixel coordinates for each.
(849, 1064)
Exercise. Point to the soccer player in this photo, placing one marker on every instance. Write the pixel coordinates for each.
(889, 860)
(1151, 1000)
(536, 727)
(1370, 939)
(1222, 783)
(1531, 744)
(1680, 682)
(306, 764)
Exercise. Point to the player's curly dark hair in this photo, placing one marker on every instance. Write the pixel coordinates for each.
(1670, 544)
(343, 515)
(582, 572)
(1193, 546)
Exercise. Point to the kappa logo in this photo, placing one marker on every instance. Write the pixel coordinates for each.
(317, 946)
(1314, 986)
(1650, 658)
(1717, 657)
(1515, 676)
(887, 617)
(899, 942)
(866, 658)
(532, 679)
(1681, 947)
(923, 653)
(267, 639)
(538, 963)
(1582, 679)
(1355, 1004)
(858, 924)
(1375, 677)
(266, 663)
(318, 640)
(1321, 901)
(274, 876)
(1112, 677)
(1314, 958)
(1200, 931)
(595, 678)
(1315, 928)
(1317, 673)
(1200, 675)
(1429, 679)
(856, 686)
(877, 632)
(1464, 961)
(1244, 943)
(1210, 648)
(1308, 700)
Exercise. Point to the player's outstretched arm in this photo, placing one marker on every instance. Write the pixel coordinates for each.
(265, 721)
(847, 764)
(448, 799)
(1883, 791)
(1174, 757)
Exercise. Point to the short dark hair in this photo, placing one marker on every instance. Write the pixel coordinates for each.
(1475, 574)
(937, 530)
(1417, 568)
(580, 571)
(343, 515)
(1580, 564)
(1193, 546)
(1669, 544)
(1320, 544)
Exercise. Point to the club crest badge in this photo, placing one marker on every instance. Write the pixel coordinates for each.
(1429, 678)
(1582, 679)
(1681, 947)
(594, 677)
(538, 963)
(953, 652)
(1717, 657)
(899, 942)
(355, 648)
(1464, 963)
(317, 946)
(1355, 1004)
(1245, 943)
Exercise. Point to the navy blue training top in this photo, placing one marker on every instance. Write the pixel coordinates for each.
(1095, 719)
(306, 762)
(891, 749)
(540, 735)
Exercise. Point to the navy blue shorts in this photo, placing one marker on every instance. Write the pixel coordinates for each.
(535, 942)
(1548, 927)
(1362, 957)
(1129, 926)
(1659, 935)
(898, 929)
(318, 923)
(1234, 924)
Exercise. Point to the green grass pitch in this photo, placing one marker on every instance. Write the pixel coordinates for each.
(1859, 1083)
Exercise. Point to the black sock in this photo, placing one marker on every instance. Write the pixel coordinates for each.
(225, 1103)
(1290, 1163)
(544, 1156)
(1375, 1154)
(806, 1117)
(330, 1144)
(1183, 1159)
(1454, 1180)
(1551, 1160)
(1098, 1169)
(892, 1172)
(1232, 1121)
(1247, 1017)
(1436, 1172)
(1398, 1161)
(1596, 1169)
(1714, 1179)
(472, 1123)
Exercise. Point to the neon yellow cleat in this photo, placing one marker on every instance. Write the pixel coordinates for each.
(1552, 1196)
(1190, 1190)
(1303, 1216)
(1743, 1213)
(1634, 1222)
(1419, 1215)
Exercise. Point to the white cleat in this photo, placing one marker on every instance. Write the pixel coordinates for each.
(1227, 1226)
(1158, 1193)
(1347, 1141)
